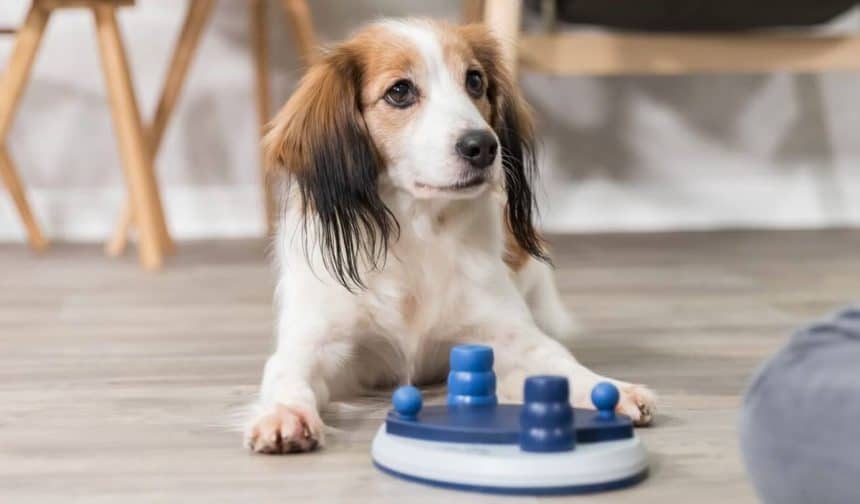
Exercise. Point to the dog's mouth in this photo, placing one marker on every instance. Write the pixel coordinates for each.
(463, 185)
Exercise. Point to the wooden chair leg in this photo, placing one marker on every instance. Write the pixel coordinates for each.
(11, 89)
(196, 19)
(118, 242)
(198, 15)
(137, 161)
(260, 41)
(299, 15)
(16, 190)
(503, 17)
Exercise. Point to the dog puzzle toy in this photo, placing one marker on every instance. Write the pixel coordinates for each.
(542, 447)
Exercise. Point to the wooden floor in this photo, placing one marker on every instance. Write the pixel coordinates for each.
(120, 386)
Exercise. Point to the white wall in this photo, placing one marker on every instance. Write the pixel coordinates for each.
(618, 153)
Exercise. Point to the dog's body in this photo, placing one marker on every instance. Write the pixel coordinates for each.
(405, 233)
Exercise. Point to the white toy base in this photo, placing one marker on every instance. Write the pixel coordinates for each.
(505, 469)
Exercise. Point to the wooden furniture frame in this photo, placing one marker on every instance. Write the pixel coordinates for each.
(11, 88)
(138, 145)
(139, 175)
(199, 12)
(665, 54)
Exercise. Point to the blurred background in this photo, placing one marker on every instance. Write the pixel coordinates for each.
(618, 153)
(700, 189)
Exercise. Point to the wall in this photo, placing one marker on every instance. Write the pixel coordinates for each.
(618, 153)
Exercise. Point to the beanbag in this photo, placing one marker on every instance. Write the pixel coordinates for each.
(800, 419)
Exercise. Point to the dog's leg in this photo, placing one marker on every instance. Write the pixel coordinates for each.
(522, 350)
(536, 282)
(288, 419)
(297, 382)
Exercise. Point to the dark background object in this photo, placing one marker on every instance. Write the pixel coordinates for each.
(699, 15)
(798, 423)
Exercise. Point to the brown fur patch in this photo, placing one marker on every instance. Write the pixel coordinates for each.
(502, 92)
(389, 60)
(460, 57)
(409, 308)
(324, 100)
(346, 85)
(514, 255)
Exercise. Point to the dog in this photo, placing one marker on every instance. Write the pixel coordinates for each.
(407, 228)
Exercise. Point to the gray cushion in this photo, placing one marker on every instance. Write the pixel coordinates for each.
(800, 420)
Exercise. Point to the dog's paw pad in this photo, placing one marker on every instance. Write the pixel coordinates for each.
(285, 429)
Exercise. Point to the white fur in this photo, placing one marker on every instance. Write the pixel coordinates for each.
(443, 283)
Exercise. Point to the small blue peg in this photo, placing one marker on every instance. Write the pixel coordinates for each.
(605, 397)
(407, 401)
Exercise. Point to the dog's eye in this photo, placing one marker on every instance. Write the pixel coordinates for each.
(475, 83)
(402, 94)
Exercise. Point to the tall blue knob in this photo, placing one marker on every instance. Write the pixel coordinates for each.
(546, 420)
(471, 380)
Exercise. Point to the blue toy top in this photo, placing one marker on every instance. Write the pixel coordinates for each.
(545, 423)
(471, 381)
(546, 419)
(471, 358)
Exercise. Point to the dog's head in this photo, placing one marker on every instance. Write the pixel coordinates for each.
(425, 108)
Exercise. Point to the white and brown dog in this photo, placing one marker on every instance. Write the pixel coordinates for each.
(408, 229)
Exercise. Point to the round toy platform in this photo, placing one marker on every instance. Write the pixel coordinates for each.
(541, 447)
(506, 469)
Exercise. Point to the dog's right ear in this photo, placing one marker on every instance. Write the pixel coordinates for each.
(512, 122)
(324, 107)
(321, 141)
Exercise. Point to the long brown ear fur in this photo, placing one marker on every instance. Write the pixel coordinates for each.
(320, 139)
(512, 122)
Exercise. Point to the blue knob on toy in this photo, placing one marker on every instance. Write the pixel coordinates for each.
(605, 397)
(407, 401)
(546, 420)
(471, 381)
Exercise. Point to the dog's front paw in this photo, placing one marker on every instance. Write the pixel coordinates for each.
(638, 402)
(285, 429)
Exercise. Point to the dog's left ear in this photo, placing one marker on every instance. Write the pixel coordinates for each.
(512, 122)
(319, 138)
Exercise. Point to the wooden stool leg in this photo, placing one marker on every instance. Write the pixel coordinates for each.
(198, 15)
(10, 178)
(199, 12)
(503, 17)
(301, 22)
(118, 242)
(137, 161)
(260, 41)
(11, 88)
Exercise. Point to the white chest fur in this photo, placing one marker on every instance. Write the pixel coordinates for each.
(437, 282)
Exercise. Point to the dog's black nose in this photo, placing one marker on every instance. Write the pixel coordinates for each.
(478, 147)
